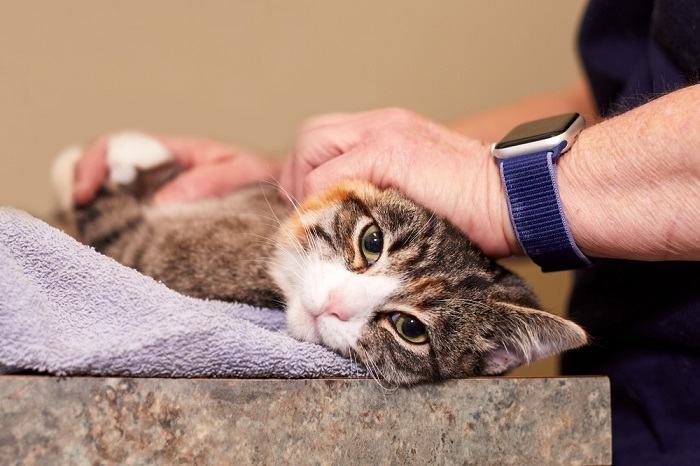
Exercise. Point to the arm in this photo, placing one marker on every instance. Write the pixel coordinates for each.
(630, 186)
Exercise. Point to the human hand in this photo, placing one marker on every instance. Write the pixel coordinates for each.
(452, 175)
(211, 169)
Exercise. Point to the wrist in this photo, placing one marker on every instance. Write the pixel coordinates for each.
(572, 171)
(630, 184)
(506, 224)
(492, 230)
(527, 159)
(592, 203)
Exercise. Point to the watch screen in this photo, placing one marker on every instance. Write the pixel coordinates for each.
(537, 130)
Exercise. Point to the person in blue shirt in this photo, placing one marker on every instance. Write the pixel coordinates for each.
(629, 186)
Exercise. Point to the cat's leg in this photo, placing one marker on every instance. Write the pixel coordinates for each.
(113, 221)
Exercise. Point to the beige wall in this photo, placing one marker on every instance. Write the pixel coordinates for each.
(249, 71)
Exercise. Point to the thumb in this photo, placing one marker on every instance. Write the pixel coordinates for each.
(90, 172)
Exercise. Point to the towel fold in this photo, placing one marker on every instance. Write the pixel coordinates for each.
(67, 309)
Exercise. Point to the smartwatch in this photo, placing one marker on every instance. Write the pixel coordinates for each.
(527, 158)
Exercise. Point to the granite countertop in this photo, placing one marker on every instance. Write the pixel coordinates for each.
(89, 420)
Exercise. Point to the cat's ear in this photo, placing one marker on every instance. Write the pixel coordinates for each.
(524, 335)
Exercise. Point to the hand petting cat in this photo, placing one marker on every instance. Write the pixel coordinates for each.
(448, 173)
(212, 169)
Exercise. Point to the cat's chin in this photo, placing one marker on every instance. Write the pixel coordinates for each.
(341, 336)
(301, 325)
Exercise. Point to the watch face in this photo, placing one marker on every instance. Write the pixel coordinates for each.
(537, 130)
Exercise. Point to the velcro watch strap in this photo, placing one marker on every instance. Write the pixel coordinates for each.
(530, 182)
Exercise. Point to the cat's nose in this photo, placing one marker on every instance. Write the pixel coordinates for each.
(333, 307)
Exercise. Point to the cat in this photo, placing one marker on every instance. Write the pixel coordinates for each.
(364, 271)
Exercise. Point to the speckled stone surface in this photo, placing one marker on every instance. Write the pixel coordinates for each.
(48, 420)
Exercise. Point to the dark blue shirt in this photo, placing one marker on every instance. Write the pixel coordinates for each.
(644, 317)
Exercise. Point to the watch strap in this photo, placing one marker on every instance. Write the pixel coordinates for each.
(536, 212)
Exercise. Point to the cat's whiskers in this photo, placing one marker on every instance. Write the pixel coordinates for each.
(355, 358)
(280, 247)
(301, 253)
(396, 375)
(350, 352)
(296, 205)
(367, 362)
(278, 264)
(277, 185)
(374, 370)
(298, 260)
(295, 242)
(272, 263)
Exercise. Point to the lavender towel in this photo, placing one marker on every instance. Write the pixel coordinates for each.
(66, 309)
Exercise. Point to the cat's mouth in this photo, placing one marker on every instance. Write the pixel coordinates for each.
(326, 328)
(340, 335)
(322, 323)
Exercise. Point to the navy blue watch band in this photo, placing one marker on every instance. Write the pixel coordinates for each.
(536, 213)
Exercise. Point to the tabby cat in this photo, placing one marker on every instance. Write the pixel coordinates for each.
(363, 271)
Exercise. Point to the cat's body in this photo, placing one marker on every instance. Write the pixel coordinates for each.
(217, 249)
(364, 271)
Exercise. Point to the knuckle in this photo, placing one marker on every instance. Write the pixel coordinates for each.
(314, 122)
(399, 115)
(380, 170)
(307, 125)
(394, 140)
(396, 135)
(300, 152)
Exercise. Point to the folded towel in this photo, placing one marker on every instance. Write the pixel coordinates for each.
(66, 309)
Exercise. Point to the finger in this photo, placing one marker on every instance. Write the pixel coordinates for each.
(90, 172)
(326, 119)
(213, 180)
(285, 182)
(190, 151)
(356, 165)
(316, 147)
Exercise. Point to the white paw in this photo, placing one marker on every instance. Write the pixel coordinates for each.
(128, 152)
(63, 174)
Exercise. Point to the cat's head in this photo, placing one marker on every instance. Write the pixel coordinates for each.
(374, 276)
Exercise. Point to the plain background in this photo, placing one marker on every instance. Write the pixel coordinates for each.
(249, 72)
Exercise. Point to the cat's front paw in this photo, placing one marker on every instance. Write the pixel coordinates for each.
(131, 152)
(136, 163)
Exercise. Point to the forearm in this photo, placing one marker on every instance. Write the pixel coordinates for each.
(492, 124)
(630, 186)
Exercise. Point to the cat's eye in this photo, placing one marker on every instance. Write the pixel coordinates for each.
(372, 243)
(410, 328)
